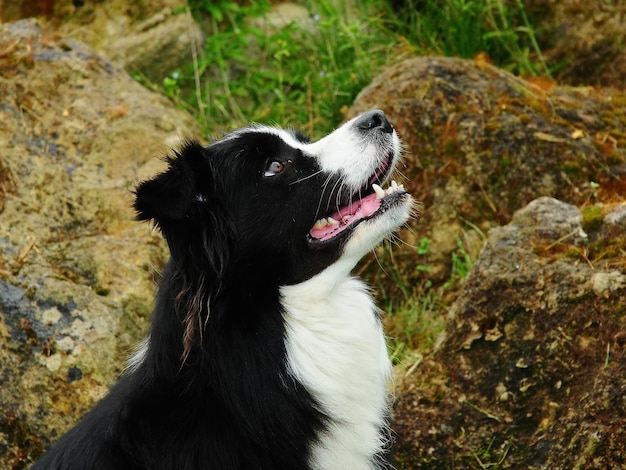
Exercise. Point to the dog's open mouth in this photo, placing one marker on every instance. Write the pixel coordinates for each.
(365, 204)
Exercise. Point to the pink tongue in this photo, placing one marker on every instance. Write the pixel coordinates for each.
(358, 210)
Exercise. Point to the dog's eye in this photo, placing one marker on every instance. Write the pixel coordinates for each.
(274, 168)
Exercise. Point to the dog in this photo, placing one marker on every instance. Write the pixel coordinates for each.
(264, 352)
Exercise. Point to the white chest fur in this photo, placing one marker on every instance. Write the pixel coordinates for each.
(336, 348)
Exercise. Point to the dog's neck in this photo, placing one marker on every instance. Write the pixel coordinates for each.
(336, 348)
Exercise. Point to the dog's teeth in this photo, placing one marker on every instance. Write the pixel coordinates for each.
(394, 184)
(321, 223)
(325, 222)
(380, 193)
(345, 218)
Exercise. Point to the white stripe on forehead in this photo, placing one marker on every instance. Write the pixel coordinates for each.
(285, 135)
(345, 150)
(288, 136)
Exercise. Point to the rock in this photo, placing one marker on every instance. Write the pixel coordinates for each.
(144, 36)
(11, 10)
(158, 45)
(583, 42)
(483, 143)
(531, 370)
(282, 15)
(77, 273)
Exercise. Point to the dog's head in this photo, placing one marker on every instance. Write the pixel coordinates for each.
(265, 207)
(273, 207)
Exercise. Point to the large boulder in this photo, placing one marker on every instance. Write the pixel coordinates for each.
(77, 273)
(482, 143)
(531, 370)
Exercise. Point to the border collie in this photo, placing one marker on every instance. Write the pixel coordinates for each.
(264, 352)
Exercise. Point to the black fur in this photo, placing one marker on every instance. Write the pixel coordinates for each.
(221, 399)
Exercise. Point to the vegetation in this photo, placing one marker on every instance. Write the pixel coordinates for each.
(308, 73)
(417, 317)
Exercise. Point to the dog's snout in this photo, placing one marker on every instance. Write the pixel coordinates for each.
(374, 119)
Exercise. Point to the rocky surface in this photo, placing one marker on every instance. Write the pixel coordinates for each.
(531, 371)
(583, 42)
(77, 273)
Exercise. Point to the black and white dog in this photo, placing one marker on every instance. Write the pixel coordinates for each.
(264, 352)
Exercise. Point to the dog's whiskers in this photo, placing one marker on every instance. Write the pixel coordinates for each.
(338, 183)
(306, 178)
(324, 187)
(338, 196)
(378, 262)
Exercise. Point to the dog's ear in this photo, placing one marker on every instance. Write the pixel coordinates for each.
(169, 195)
(184, 203)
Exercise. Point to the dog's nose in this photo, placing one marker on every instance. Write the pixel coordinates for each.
(374, 119)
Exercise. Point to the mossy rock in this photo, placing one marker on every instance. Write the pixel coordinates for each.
(482, 143)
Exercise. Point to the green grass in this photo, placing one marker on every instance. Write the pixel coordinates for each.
(416, 317)
(464, 28)
(308, 77)
(414, 323)
(304, 77)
